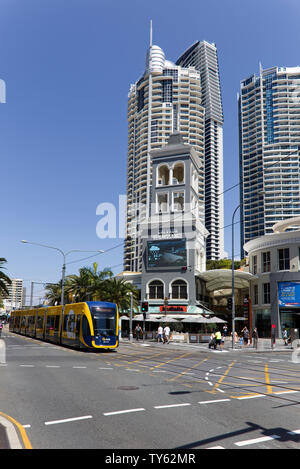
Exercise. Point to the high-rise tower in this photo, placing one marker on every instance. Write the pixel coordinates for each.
(203, 56)
(269, 135)
(167, 98)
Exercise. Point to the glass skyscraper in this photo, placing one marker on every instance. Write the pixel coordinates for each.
(269, 139)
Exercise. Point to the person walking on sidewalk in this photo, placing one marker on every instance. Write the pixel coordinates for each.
(285, 336)
(245, 333)
(160, 334)
(167, 334)
(222, 341)
(138, 331)
(218, 338)
(1, 327)
(255, 337)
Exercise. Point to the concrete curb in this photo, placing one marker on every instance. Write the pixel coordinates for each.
(9, 438)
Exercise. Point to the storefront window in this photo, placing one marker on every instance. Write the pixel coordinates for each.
(284, 259)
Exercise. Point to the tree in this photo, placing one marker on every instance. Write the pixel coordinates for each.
(89, 284)
(5, 281)
(118, 290)
(53, 293)
(224, 264)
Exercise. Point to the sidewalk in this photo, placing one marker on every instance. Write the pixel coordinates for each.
(264, 345)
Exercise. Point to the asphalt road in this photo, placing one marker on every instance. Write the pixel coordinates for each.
(149, 397)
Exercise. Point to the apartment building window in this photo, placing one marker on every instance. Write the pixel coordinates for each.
(266, 261)
(162, 202)
(178, 201)
(284, 259)
(255, 294)
(266, 293)
(254, 265)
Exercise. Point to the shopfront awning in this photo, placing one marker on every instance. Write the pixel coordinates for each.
(219, 279)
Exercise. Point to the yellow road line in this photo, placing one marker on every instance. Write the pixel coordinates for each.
(23, 434)
(213, 391)
(169, 361)
(267, 378)
(186, 371)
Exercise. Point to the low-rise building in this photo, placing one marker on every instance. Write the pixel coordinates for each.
(274, 261)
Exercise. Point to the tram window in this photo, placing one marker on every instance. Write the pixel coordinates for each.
(78, 324)
(104, 324)
(85, 327)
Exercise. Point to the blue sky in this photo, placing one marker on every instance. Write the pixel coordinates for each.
(68, 65)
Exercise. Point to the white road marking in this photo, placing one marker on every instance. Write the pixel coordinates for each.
(54, 422)
(250, 397)
(52, 366)
(214, 402)
(216, 447)
(257, 440)
(285, 392)
(105, 368)
(124, 411)
(295, 432)
(27, 366)
(171, 405)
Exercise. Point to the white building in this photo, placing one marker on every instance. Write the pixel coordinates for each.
(167, 98)
(269, 126)
(15, 298)
(204, 57)
(274, 261)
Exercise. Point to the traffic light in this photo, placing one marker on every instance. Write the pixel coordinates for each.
(229, 304)
(144, 307)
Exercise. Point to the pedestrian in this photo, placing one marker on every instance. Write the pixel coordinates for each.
(218, 338)
(285, 336)
(1, 327)
(138, 331)
(212, 342)
(160, 334)
(167, 334)
(245, 333)
(225, 330)
(222, 341)
(255, 337)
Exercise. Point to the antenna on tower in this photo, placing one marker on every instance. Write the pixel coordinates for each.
(150, 33)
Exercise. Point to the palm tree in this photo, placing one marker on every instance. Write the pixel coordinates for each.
(4, 279)
(118, 290)
(53, 292)
(88, 285)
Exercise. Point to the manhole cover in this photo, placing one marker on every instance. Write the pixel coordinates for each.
(128, 388)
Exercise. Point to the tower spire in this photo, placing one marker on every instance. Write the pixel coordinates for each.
(150, 33)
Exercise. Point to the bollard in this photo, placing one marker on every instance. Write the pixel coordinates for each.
(2, 352)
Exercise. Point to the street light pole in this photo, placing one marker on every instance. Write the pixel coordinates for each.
(130, 321)
(64, 254)
(232, 277)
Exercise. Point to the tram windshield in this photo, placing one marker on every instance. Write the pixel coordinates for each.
(104, 321)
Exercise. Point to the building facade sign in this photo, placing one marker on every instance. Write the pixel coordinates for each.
(289, 294)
